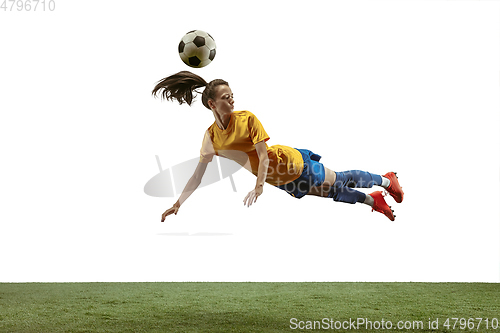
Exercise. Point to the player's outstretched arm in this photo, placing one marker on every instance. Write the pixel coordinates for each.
(261, 175)
(191, 186)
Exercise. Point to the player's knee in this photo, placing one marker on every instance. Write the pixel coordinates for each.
(343, 194)
(346, 194)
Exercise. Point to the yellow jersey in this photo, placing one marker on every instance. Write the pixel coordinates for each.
(237, 142)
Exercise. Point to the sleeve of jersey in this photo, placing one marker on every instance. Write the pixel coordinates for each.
(207, 151)
(256, 130)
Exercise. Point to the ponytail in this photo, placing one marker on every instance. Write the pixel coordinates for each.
(181, 86)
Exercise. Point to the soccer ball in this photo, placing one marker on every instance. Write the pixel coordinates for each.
(197, 49)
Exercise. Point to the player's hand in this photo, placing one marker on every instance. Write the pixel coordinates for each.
(252, 196)
(173, 210)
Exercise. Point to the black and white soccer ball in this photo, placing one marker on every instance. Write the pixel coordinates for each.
(197, 49)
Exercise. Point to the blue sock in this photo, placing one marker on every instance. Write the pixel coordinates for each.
(346, 194)
(357, 178)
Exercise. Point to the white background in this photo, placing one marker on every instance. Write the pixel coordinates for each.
(409, 86)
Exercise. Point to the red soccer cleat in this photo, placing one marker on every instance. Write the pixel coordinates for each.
(381, 206)
(394, 189)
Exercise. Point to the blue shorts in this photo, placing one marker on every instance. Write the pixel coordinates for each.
(312, 175)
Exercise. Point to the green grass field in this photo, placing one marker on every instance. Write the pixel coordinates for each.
(246, 307)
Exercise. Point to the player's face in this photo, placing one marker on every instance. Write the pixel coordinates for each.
(224, 102)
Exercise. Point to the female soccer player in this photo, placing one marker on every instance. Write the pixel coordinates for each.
(239, 136)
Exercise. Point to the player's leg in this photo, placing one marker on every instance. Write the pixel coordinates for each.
(363, 179)
(358, 179)
(342, 190)
(324, 189)
(319, 191)
(333, 188)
